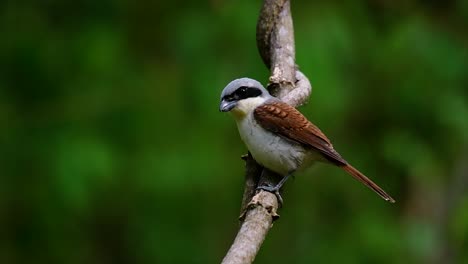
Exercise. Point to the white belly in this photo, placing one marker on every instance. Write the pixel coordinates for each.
(271, 151)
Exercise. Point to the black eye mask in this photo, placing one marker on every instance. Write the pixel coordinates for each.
(242, 93)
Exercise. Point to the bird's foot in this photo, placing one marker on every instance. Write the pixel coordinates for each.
(274, 190)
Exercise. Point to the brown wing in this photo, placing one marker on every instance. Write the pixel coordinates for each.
(283, 119)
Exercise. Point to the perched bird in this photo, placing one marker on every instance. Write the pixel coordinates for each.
(279, 137)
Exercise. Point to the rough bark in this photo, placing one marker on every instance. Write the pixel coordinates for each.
(259, 217)
(275, 42)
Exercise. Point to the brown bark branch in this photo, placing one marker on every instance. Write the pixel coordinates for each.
(275, 42)
(259, 217)
(252, 177)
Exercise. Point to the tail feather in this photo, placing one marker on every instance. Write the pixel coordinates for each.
(368, 182)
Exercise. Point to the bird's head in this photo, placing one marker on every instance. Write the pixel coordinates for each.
(242, 96)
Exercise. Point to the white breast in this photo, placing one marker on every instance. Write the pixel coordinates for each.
(271, 151)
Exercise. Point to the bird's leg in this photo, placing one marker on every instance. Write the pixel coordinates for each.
(275, 189)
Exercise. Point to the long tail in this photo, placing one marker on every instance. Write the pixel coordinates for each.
(368, 182)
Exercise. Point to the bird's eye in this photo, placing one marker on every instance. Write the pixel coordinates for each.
(244, 91)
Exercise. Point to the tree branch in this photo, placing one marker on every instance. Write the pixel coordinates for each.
(259, 217)
(275, 42)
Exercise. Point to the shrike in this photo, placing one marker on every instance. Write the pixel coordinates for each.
(279, 137)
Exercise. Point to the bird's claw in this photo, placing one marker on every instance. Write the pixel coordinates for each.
(274, 190)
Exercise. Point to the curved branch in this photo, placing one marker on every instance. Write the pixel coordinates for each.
(275, 42)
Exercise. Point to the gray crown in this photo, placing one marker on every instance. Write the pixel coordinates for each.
(247, 82)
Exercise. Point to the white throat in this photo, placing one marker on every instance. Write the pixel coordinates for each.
(247, 106)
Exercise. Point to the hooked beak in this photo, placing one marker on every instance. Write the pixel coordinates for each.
(227, 106)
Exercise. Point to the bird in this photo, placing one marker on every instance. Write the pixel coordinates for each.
(279, 137)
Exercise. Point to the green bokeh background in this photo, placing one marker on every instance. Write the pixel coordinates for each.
(112, 149)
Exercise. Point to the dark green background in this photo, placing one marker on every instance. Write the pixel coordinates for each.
(112, 149)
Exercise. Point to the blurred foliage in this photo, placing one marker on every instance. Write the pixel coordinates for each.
(113, 149)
